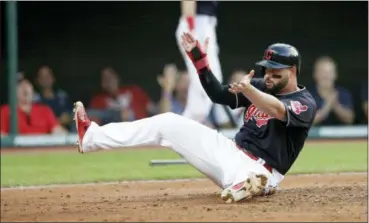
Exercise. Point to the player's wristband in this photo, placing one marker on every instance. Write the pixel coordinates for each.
(201, 64)
(191, 22)
(199, 58)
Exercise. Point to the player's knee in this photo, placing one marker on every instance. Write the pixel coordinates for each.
(166, 117)
(168, 120)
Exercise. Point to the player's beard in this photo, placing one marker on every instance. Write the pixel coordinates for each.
(278, 87)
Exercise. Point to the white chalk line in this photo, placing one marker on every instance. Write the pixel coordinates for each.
(154, 181)
(99, 183)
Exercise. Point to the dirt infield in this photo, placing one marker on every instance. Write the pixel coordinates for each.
(303, 198)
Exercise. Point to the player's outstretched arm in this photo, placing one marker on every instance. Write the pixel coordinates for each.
(217, 92)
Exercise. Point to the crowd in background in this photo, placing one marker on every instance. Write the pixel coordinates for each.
(45, 109)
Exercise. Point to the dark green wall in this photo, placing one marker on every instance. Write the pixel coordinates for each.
(137, 38)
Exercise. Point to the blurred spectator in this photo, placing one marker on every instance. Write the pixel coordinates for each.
(364, 100)
(57, 99)
(335, 104)
(174, 88)
(223, 116)
(33, 118)
(118, 103)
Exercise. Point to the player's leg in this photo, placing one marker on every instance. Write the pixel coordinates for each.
(198, 103)
(202, 147)
(207, 28)
(208, 151)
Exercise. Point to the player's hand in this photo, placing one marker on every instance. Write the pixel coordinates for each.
(243, 85)
(168, 80)
(333, 99)
(189, 42)
(330, 97)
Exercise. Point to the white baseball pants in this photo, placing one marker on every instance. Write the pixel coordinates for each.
(210, 152)
(198, 103)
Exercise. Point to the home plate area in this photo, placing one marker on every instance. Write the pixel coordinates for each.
(328, 197)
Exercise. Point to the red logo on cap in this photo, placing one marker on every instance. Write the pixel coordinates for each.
(268, 54)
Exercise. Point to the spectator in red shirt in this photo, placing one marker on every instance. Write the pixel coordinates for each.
(32, 118)
(115, 103)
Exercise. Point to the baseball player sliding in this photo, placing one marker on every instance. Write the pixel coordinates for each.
(199, 18)
(278, 115)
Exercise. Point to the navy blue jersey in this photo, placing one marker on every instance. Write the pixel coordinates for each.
(207, 8)
(277, 142)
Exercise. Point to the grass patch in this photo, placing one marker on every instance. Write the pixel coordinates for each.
(71, 167)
